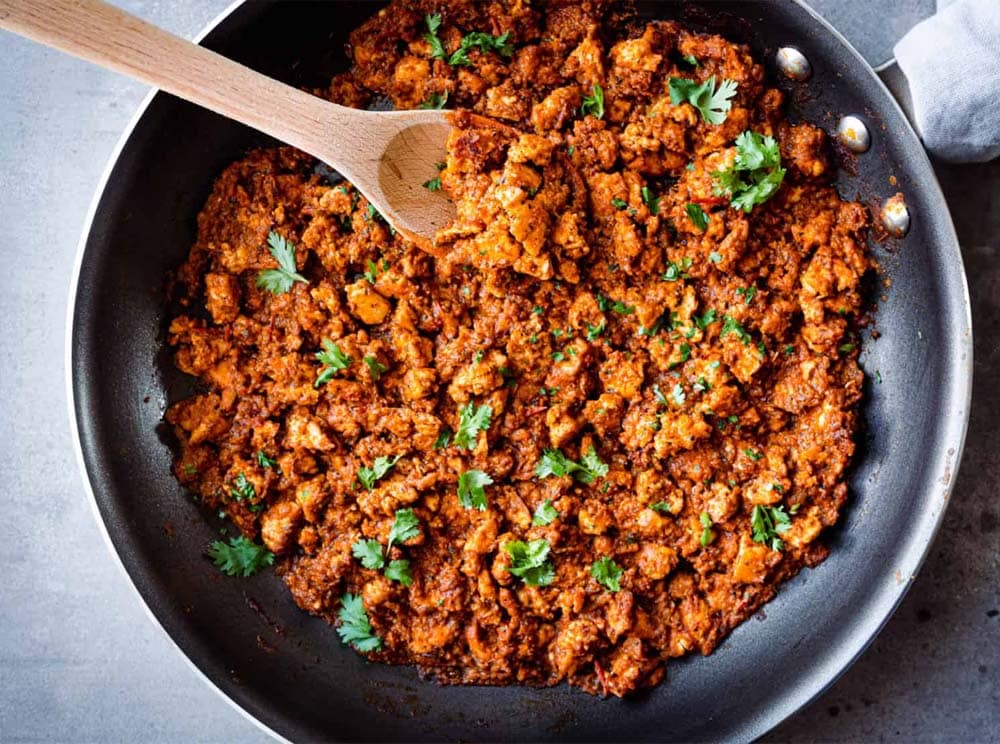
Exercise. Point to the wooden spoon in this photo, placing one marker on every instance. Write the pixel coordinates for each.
(388, 155)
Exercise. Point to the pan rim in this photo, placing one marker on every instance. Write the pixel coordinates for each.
(68, 365)
(912, 551)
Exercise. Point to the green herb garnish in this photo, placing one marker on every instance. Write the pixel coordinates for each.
(713, 103)
(755, 175)
(768, 523)
(545, 514)
(333, 360)
(355, 628)
(471, 489)
(240, 557)
(608, 573)
(594, 103)
(381, 466)
(472, 419)
(529, 562)
(281, 279)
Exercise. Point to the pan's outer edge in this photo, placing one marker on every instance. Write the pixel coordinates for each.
(915, 553)
(920, 544)
(74, 281)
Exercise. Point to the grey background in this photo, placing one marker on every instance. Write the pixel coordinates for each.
(80, 659)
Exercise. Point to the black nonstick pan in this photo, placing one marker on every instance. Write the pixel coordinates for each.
(287, 669)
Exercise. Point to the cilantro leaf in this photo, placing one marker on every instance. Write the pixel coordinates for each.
(768, 523)
(697, 216)
(242, 489)
(545, 514)
(264, 461)
(375, 367)
(471, 491)
(705, 320)
(405, 527)
(281, 279)
(731, 325)
(443, 438)
(433, 22)
(434, 184)
(662, 507)
(435, 100)
(554, 462)
(594, 103)
(753, 454)
(712, 103)
(485, 43)
(593, 331)
(240, 557)
(755, 175)
(529, 562)
(399, 570)
(333, 360)
(472, 419)
(381, 466)
(369, 552)
(591, 467)
(355, 628)
(651, 202)
(707, 534)
(608, 573)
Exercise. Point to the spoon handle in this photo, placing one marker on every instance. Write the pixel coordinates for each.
(109, 37)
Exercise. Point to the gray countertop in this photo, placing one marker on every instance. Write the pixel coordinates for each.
(80, 660)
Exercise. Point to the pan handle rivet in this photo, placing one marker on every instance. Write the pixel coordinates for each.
(896, 216)
(853, 132)
(793, 64)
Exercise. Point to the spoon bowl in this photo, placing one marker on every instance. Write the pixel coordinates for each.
(388, 156)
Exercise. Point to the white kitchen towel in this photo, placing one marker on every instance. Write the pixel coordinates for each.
(952, 65)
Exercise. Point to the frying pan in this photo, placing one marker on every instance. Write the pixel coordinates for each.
(288, 670)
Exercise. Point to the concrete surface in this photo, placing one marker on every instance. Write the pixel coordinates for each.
(81, 661)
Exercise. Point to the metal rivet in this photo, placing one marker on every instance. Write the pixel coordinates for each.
(854, 134)
(896, 216)
(793, 64)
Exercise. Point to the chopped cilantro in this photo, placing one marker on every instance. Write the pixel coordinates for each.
(697, 216)
(435, 101)
(554, 462)
(545, 514)
(472, 419)
(529, 562)
(378, 470)
(651, 202)
(281, 279)
(707, 534)
(731, 325)
(405, 527)
(471, 491)
(443, 438)
(355, 628)
(608, 573)
(264, 461)
(755, 175)
(333, 360)
(768, 523)
(594, 103)
(375, 368)
(713, 103)
(240, 556)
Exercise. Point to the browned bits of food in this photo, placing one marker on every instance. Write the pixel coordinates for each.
(604, 428)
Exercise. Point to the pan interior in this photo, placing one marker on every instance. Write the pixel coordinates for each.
(288, 669)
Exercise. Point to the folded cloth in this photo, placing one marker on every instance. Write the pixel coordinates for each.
(952, 65)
